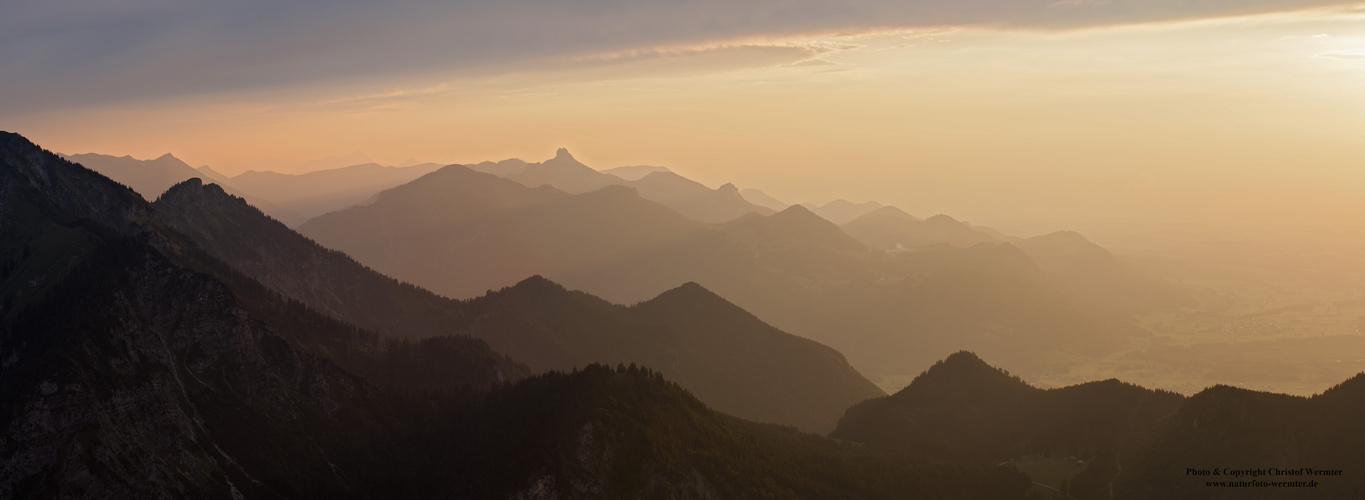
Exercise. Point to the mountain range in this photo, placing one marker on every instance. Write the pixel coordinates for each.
(138, 364)
(1121, 440)
(891, 313)
(635, 253)
(308, 195)
(764, 375)
(195, 347)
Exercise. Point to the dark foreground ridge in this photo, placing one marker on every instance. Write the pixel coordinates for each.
(135, 365)
(1134, 442)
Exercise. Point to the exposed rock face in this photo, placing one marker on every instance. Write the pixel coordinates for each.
(142, 405)
(129, 375)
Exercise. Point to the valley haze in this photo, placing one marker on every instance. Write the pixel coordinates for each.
(610, 249)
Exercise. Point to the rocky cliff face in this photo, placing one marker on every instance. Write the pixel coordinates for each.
(128, 375)
(132, 380)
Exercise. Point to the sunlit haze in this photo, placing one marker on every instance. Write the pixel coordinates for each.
(1228, 136)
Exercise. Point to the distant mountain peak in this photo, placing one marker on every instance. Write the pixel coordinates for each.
(1064, 235)
(536, 285)
(563, 154)
(635, 172)
(889, 211)
(690, 288)
(798, 210)
(537, 281)
(193, 188)
(964, 371)
(941, 218)
(192, 184)
(964, 358)
(728, 188)
(799, 213)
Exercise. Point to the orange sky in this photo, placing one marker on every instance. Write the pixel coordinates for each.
(1236, 123)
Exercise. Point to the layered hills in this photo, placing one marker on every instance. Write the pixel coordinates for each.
(304, 196)
(1117, 440)
(123, 338)
(730, 359)
(150, 178)
(843, 211)
(119, 341)
(891, 313)
(890, 228)
(658, 184)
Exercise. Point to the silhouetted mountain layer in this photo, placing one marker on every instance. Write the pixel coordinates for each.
(963, 406)
(842, 211)
(657, 184)
(150, 178)
(1134, 442)
(1094, 274)
(1243, 429)
(763, 200)
(565, 173)
(305, 196)
(693, 200)
(731, 360)
(890, 313)
(634, 172)
(889, 228)
(628, 433)
(132, 370)
(119, 341)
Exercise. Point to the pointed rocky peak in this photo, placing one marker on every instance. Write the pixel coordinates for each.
(193, 187)
(563, 160)
(728, 189)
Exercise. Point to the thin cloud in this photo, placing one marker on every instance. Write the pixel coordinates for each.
(1344, 55)
(55, 54)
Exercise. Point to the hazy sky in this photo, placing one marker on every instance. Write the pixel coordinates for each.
(1100, 115)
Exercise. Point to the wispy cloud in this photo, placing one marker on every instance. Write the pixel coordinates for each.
(1345, 55)
(96, 52)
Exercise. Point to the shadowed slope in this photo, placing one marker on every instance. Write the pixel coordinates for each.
(460, 235)
(733, 361)
(308, 195)
(889, 228)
